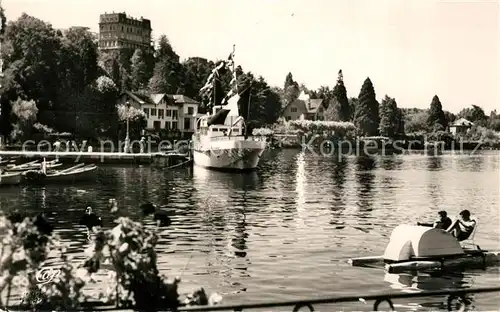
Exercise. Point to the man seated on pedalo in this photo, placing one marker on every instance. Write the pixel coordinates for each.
(463, 226)
(444, 222)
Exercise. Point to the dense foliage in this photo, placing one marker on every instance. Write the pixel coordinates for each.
(366, 114)
(341, 105)
(59, 80)
(436, 119)
(391, 118)
(129, 248)
(74, 86)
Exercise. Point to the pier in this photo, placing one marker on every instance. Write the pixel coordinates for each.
(98, 157)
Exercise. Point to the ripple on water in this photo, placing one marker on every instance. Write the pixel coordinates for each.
(285, 231)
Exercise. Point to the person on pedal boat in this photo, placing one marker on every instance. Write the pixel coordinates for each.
(443, 223)
(463, 226)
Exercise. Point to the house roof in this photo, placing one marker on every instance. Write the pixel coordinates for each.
(462, 122)
(182, 99)
(303, 96)
(155, 98)
(313, 105)
(139, 98)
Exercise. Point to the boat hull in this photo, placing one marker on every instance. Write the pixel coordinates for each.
(470, 260)
(77, 175)
(231, 155)
(10, 179)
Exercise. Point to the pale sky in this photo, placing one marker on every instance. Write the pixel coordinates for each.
(410, 49)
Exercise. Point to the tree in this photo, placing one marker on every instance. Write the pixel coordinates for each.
(353, 103)
(399, 129)
(325, 93)
(264, 103)
(493, 114)
(109, 62)
(436, 120)
(3, 22)
(168, 75)
(159, 83)
(475, 114)
(416, 121)
(389, 114)
(332, 110)
(31, 60)
(288, 81)
(291, 90)
(196, 71)
(450, 117)
(25, 113)
(79, 57)
(494, 121)
(139, 71)
(366, 116)
(340, 94)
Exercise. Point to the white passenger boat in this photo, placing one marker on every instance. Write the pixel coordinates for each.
(221, 140)
(413, 248)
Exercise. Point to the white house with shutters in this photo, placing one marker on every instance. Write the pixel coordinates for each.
(164, 111)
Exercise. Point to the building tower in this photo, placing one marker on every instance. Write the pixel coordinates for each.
(119, 31)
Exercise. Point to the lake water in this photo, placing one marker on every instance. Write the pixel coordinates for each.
(286, 231)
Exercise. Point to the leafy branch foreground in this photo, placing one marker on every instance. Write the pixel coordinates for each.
(128, 250)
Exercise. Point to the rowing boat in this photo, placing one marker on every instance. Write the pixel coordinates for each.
(33, 165)
(415, 248)
(80, 172)
(76, 174)
(10, 178)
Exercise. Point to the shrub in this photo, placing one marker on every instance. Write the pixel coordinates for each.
(129, 247)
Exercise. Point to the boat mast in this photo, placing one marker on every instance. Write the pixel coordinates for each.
(234, 69)
(214, 88)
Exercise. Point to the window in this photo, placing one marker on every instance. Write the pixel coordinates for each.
(153, 112)
(167, 125)
(174, 124)
(190, 111)
(175, 114)
(161, 114)
(288, 118)
(156, 125)
(146, 111)
(293, 109)
(169, 112)
(187, 123)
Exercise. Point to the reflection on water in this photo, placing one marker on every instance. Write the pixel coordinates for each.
(273, 234)
(431, 281)
(434, 163)
(428, 281)
(365, 177)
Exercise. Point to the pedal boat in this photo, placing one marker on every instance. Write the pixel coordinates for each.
(415, 248)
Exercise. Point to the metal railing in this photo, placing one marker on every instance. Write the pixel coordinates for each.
(457, 300)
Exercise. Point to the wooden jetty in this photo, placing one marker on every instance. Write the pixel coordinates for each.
(97, 157)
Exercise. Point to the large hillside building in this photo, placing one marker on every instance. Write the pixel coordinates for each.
(119, 31)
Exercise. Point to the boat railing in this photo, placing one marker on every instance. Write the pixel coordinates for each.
(457, 300)
(236, 138)
(238, 120)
